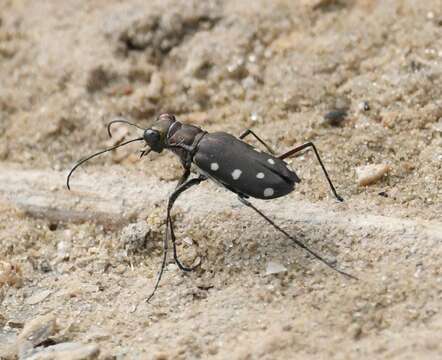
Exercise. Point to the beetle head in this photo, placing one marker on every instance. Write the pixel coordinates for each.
(156, 136)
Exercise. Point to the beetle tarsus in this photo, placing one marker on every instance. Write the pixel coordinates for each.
(160, 272)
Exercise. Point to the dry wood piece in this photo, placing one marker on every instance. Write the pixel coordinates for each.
(42, 194)
(114, 199)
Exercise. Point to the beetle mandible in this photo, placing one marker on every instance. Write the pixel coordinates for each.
(226, 160)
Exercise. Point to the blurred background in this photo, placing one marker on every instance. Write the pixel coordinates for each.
(361, 79)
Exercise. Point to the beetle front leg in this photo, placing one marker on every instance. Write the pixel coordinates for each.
(248, 132)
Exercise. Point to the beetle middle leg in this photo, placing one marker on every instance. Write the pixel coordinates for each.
(169, 223)
(183, 177)
(305, 146)
(297, 242)
(248, 132)
(187, 184)
(173, 197)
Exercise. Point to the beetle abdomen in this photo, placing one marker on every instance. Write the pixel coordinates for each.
(243, 169)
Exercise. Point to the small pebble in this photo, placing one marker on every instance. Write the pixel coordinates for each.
(38, 297)
(188, 240)
(63, 250)
(172, 267)
(36, 332)
(66, 351)
(155, 88)
(134, 237)
(275, 268)
(120, 269)
(369, 174)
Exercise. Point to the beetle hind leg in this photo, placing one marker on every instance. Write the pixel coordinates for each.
(248, 132)
(297, 242)
(305, 146)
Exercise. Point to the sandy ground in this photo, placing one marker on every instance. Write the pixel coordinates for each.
(76, 266)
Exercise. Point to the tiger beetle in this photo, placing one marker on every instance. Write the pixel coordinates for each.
(228, 161)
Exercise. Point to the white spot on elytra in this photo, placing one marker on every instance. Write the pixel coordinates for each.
(268, 192)
(271, 161)
(260, 175)
(236, 174)
(214, 166)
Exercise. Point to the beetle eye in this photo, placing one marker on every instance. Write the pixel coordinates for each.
(153, 139)
(151, 136)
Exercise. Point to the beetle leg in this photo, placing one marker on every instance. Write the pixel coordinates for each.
(180, 189)
(307, 145)
(163, 265)
(175, 255)
(188, 184)
(250, 132)
(297, 242)
(184, 177)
